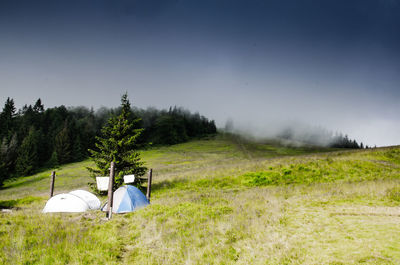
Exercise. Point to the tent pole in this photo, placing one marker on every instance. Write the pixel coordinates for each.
(110, 191)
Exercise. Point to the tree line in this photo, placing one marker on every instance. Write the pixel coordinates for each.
(34, 137)
(340, 141)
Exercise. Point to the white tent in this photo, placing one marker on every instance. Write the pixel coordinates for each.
(74, 202)
(91, 199)
(65, 203)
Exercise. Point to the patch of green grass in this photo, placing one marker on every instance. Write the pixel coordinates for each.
(321, 170)
(23, 181)
(19, 202)
(68, 177)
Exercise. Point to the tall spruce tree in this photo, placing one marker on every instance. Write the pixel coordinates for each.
(38, 107)
(27, 160)
(77, 150)
(63, 145)
(118, 144)
(8, 156)
(7, 119)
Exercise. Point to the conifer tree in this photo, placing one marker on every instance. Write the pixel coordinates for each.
(7, 119)
(38, 107)
(8, 155)
(53, 161)
(63, 146)
(3, 171)
(118, 144)
(27, 160)
(77, 150)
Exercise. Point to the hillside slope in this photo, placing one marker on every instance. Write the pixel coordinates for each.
(222, 200)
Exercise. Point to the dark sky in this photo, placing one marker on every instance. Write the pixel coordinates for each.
(334, 64)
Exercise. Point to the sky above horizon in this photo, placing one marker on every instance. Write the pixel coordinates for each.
(334, 64)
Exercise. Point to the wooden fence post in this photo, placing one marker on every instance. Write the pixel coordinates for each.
(110, 191)
(52, 180)
(149, 184)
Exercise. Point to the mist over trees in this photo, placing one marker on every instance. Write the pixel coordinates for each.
(34, 137)
(320, 137)
(295, 134)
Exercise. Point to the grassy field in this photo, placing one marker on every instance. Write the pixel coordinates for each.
(222, 200)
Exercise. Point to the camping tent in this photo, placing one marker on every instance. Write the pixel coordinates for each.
(74, 202)
(66, 203)
(127, 199)
(91, 199)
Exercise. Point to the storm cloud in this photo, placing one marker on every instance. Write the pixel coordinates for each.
(265, 64)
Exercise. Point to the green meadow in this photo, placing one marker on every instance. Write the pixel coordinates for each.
(220, 200)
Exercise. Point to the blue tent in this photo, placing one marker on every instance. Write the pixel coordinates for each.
(127, 199)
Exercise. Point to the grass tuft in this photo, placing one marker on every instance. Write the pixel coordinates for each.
(394, 194)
